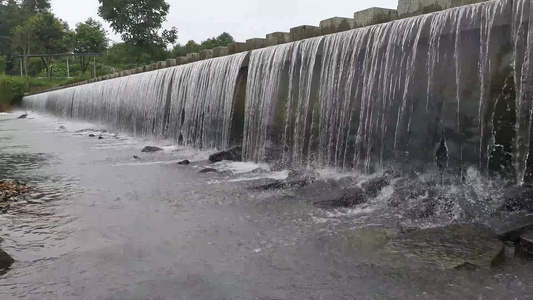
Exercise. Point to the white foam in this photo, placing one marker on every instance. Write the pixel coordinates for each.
(241, 167)
(281, 175)
(351, 212)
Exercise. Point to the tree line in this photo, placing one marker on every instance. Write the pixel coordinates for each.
(29, 27)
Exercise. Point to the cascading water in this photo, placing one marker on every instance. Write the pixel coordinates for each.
(392, 92)
(194, 102)
(357, 99)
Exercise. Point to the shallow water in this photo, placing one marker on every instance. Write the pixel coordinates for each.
(115, 227)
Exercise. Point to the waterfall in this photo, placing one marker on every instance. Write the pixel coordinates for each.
(391, 92)
(357, 99)
(523, 68)
(194, 101)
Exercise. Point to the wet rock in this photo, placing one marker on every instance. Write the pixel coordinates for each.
(374, 186)
(209, 170)
(452, 247)
(233, 154)
(5, 260)
(151, 149)
(11, 191)
(526, 241)
(509, 250)
(511, 229)
(34, 201)
(343, 197)
(23, 116)
(184, 162)
(92, 135)
(100, 137)
(441, 156)
(280, 184)
(519, 199)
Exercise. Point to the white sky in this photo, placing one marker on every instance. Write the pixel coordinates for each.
(243, 19)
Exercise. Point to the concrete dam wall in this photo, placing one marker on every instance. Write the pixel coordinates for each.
(359, 98)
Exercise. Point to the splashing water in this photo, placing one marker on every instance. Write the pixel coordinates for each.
(391, 91)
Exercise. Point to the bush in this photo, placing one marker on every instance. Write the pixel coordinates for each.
(2, 64)
(75, 80)
(11, 90)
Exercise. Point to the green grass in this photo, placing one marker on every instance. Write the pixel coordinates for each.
(46, 82)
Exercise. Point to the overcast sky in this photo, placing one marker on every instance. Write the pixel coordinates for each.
(243, 19)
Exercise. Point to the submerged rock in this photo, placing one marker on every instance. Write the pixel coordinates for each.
(24, 116)
(5, 260)
(451, 247)
(233, 154)
(209, 170)
(62, 128)
(184, 162)
(151, 149)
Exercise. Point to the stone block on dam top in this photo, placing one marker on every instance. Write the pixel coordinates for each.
(236, 48)
(336, 24)
(220, 51)
(255, 43)
(304, 32)
(373, 16)
(407, 8)
(192, 57)
(206, 54)
(277, 38)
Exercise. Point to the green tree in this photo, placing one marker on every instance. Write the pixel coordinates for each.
(42, 33)
(222, 40)
(139, 23)
(191, 47)
(88, 37)
(50, 36)
(35, 6)
(23, 39)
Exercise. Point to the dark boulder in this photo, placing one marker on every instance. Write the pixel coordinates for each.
(233, 154)
(341, 197)
(519, 199)
(209, 170)
(151, 149)
(510, 229)
(92, 135)
(280, 184)
(100, 137)
(5, 260)
(184, 162)
(24, 116)
(374, 186)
